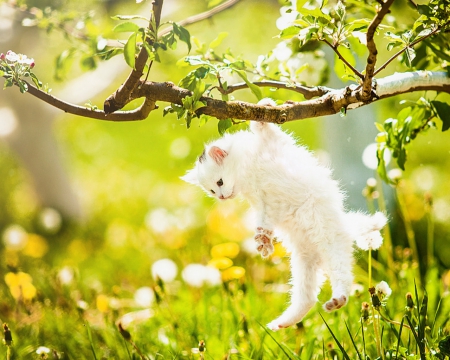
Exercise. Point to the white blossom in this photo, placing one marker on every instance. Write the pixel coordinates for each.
(165, 269)
(198, 275)
(383, 290)
(371, 241)
(144, 296)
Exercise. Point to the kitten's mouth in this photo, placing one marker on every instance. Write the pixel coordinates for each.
(221, 197)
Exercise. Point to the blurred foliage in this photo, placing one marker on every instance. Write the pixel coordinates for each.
(96, 288)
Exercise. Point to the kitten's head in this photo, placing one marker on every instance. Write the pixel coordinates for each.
(213, 173)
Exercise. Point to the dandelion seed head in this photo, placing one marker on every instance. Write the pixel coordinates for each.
(372, 240)
(43, 350)
(66, 275)
(383, 289)
(144, 296)
(165, 269)
(198, 275)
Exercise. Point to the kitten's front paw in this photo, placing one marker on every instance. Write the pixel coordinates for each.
(263, 240)
(335, 303)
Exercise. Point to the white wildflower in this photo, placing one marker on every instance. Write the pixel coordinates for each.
(383, 290)
(197, 275)
(372, 240)
(15, 237)
(43, 350)
(66, 275)
(165, 269)
(144, 296)
(135, 317)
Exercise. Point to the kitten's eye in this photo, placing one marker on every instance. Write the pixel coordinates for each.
(220, 182)
(212, 191)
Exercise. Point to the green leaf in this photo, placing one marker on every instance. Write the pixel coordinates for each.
(341, 70)
(410, 55)
(183, 34)
(108, 54)
(313, 11)
(443, 112)
(444, 346)
(381, 169)
(289, 32)
(22, 86)
(253, 88)
(218, 40)
(224, 125)
(88, 63)
(129, 50)
(36, 81)
(129, 17)
(126, 27)
(441, 54)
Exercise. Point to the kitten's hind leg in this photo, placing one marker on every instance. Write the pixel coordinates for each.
(306, 280)
(341, 279)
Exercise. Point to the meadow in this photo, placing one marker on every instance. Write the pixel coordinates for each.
(181, 281)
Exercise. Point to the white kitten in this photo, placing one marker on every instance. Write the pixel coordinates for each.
(295, 196)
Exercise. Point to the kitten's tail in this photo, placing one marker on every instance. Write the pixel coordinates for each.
(366, 229)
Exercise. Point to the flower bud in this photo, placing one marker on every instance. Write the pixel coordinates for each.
(409, 301)
(202, 346)
(7, 337)
(365, 310)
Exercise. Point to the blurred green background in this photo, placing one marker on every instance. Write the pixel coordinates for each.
(123, 207)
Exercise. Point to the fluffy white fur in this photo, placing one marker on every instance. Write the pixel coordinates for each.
(296, 197)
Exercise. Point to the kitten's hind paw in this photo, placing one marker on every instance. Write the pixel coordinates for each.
(263, 240)
(335, 303)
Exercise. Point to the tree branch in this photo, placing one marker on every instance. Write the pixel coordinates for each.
(306, 91)
(350, 66)
(207, 14)
(121, 96)
(398, 53)
(366, 89)
(140, 113)
(331, 102)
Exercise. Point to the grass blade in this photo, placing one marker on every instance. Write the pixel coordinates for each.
(363, 338)
(91, 342)
(344, 353)
(276, 342)
(399, 338)
(353, 341)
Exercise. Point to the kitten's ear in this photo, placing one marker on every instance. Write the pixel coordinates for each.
(191, 177)
(217, 154)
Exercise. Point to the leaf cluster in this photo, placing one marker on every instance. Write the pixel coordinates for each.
(395, 134)
(210, 73)
(148, 38)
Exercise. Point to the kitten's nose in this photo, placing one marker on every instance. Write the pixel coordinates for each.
(221, 197)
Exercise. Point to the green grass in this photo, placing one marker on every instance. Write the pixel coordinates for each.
(138, 216)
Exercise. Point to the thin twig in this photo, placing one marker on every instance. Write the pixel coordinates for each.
(307, 92)
(415, 42)
(121, 97)
(366, 90)
(335, 49)
(207, 14)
